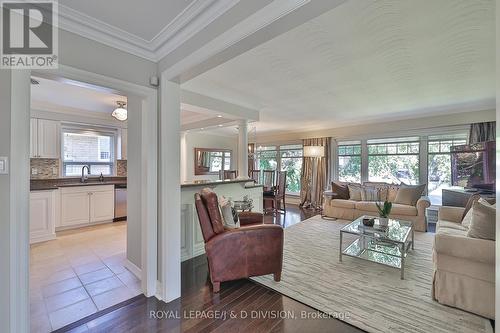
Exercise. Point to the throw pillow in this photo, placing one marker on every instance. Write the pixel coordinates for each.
(382, 188)
(354, 192)
(483, 222)
(473, 198)
(369, 194)
(229, 219)
(409, 195)
(467, 219)
(392, 191)
(487, 203)
(341, 190)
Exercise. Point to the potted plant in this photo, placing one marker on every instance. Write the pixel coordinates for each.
(384, 211)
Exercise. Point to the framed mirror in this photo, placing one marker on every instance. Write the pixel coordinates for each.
(209, 161)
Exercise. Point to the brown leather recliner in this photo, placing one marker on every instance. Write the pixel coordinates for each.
(251, 250)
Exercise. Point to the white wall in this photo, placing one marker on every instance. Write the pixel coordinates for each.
(4, 201)
(203, 140)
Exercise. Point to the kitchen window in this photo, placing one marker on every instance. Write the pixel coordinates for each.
(94, 148)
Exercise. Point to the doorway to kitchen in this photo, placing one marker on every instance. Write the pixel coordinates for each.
(86, 245)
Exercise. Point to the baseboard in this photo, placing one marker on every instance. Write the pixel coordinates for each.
(159, 290)
(133, 269)
(44, 238)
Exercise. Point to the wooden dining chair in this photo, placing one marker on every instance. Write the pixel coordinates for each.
(254, 175)
(228, 174)
(268, 179)
(276, 198)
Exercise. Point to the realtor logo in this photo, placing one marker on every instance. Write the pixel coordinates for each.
(29, 35)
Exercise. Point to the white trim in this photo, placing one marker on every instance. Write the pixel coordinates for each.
(253, 23)
(170, 191)
(194, 18)
(19, 201)
(133, 269)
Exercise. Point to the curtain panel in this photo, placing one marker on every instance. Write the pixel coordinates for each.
(309, 196)
(480, 132)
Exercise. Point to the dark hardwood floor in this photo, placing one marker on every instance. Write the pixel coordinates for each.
(247, 306)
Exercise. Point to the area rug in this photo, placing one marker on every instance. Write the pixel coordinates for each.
(367, 295)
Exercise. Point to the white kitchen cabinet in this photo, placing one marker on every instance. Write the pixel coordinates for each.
(75, 207)
(33, 137)
(42, 215)
(83, 205)
(123, 147)
(102, 205)
(45, 138)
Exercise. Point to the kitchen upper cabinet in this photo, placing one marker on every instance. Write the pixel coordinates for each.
(45, 138)
(42, 215)
(82, 205)
(123, 147)
(33, 137)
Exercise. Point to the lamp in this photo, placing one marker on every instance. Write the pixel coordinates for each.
(314, 152)
(120, 112)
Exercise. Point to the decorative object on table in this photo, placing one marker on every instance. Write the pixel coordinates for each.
(243, 205)
(384, 211)
(368, 222)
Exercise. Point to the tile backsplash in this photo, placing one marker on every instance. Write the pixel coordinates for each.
(121, 168)
(44, 168)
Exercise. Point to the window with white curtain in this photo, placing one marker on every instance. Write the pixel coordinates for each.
(94, 148)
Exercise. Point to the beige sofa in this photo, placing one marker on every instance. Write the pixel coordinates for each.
(351, 210)
(464, 267)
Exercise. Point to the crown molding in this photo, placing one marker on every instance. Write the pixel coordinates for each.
(194, 18)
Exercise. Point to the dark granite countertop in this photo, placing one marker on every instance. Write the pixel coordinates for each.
(54, 184)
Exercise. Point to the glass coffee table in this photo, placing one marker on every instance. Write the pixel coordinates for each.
(387, 247)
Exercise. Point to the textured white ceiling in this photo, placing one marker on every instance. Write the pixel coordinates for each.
(365, 61)
(144, 19)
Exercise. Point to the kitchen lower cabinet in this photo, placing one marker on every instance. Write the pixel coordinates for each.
(43, 215)
(84, 205)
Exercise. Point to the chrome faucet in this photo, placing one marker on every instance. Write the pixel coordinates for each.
(84, 178)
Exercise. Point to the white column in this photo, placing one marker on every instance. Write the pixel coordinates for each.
(170, 192)
(243, 148)
(183, 157)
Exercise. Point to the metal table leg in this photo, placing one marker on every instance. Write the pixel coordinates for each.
(340, 248)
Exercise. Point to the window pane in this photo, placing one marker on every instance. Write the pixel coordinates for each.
(291, 153)
(393, 169)
(90, 147)
(439, 176)
(267, 160)
(95, 149)
(433, 147)
(350, 169)
(293, 167)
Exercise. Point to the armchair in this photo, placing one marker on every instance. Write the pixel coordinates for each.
(252, 250)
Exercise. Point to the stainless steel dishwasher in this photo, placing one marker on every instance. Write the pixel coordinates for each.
(120, 202)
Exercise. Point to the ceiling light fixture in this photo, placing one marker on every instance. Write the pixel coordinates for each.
(219, 116)
(120, 112)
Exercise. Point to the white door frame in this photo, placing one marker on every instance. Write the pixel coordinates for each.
(19, 219)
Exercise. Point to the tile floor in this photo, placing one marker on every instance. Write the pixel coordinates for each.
(78, 274)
